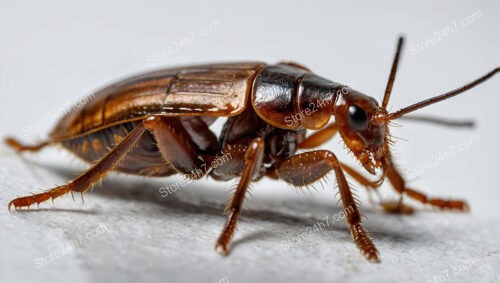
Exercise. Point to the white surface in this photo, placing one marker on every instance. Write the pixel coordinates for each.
(55, 52)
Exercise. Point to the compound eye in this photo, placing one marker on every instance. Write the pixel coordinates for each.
(357, 118)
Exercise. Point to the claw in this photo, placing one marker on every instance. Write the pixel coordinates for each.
(396, 207)
(377, 183)
(29, 200)
(222, 249)
(456, 205)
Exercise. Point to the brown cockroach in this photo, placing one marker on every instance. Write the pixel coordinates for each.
(157, 124)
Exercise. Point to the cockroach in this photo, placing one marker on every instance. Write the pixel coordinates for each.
(158, 124)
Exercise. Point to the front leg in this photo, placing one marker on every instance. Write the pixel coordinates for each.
(399, 184)
(306, 168)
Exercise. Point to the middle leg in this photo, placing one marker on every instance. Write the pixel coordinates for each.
(252, 162)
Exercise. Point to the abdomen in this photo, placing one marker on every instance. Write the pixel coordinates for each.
(145, 159)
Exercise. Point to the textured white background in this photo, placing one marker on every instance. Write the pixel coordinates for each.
(54, 52)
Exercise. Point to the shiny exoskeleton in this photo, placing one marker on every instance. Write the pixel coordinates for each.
(158, 124)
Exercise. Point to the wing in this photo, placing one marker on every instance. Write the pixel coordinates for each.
(204, 90)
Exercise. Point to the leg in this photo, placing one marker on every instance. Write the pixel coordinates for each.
(387, 206)
(399, 185)
(319, 164)
(175, 145)
(327, 133)
(252, 163)
(173, 142)
(361, 179)
(19, 147)
(89, 177)
(320, 137)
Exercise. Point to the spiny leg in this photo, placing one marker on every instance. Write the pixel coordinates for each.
(253, 158)
(176, 146)
(322, 136)
(325, 134)
(373, 186)
(89, 177)
(20, 147)
(306, 168)
(399, 185)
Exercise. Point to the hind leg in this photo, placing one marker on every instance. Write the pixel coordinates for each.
(89, 177)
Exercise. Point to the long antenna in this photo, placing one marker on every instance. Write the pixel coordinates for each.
(392, 76)
(440, 121)
(441, 97)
